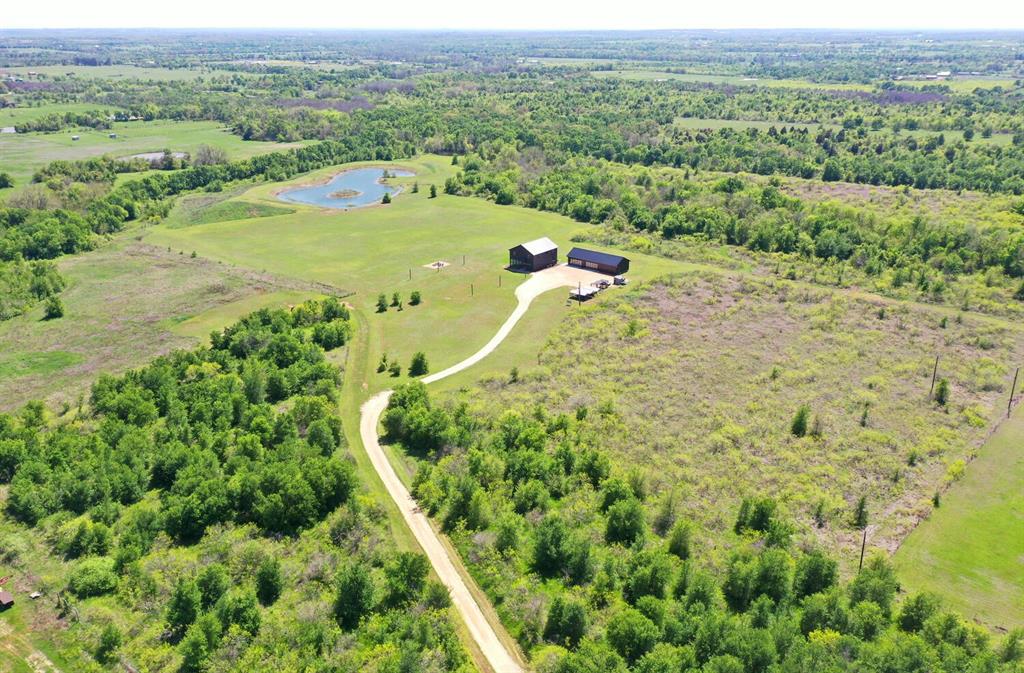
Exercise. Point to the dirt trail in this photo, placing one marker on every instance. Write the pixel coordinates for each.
(498, 656)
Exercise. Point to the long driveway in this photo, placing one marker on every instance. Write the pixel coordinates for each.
(497, 655)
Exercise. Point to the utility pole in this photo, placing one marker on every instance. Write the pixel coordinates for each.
(1013, 388)
(471, 291)
(499, 281)
(463, 260)
(935, 371)
(863, 544)
(410, 274)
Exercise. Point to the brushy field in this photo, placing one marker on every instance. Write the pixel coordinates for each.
(697, 381)
(737, 80)
(123, 307)
(373, 250)
(22, 154)
(971, 549)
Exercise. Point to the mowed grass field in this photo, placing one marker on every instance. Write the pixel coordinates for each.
(971, 549)
(125, 304)
(374, 250)
(12, 116)
(22, 154)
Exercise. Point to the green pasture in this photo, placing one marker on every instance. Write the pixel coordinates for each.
(971, 549)
(123, 71)
(22, 154)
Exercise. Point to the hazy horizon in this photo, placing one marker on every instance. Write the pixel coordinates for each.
(528, 15)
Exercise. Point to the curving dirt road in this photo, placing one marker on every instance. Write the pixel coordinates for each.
(497, 655)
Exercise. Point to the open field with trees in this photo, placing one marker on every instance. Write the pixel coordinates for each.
(373, 250)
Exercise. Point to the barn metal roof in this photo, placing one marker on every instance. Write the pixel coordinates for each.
(540, 245)
(595, 256)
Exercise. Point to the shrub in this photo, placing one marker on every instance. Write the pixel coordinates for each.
(625, 522)
(353, 595)
(632, 634)
(415, 298)
(6, 180)
(387, 198)
(395, 369)
(567, 622)
(679, 540)
(815, 572)
(213, 582)
(860, 513)
(54, 308)
(418, 366)
(268, 581)
(93, 577)
(382, 303)
(184, 605)
(942, 392)
(110, 640)
(799, 425)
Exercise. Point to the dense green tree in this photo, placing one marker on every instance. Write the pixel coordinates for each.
(566, 622)
(626, 522)
(354, 595)
(268, 580)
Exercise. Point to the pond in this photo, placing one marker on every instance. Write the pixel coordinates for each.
(351, 189)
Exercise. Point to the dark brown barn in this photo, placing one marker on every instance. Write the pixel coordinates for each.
(603, 262)
(533, 255)
(6, 600)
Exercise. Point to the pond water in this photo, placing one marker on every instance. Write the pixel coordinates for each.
(351, 189)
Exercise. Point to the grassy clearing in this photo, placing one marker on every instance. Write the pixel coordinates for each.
(697, 381)
(24, 153)
(126, 303)
(971, 549)
(208, 208)
(200, 326)
(696, 123)
(373, 250)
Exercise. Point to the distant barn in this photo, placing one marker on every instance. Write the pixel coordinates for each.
(598, 261)
(533, 255)
(6, 600)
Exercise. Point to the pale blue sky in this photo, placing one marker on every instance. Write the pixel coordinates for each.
(518, 14)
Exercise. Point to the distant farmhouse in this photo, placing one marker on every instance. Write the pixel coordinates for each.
(533, 255)
(603, 262)
(6, 600)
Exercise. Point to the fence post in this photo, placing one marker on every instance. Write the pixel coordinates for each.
(863, 544)
(471, 290)
(1013, 388)
(935, 371)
